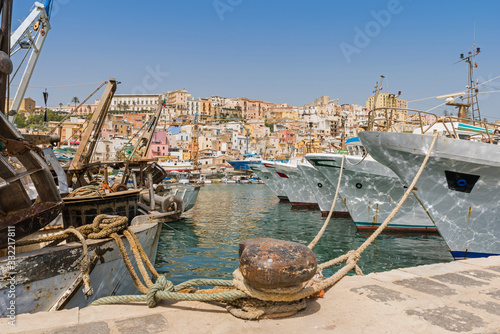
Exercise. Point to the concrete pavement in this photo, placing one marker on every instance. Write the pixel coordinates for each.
(456, 297)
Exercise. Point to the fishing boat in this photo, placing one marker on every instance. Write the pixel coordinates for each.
(46, 276)
(175, 165)
(249, 159)
(49, 277)
(187, 192)
(459, 184)
(371, 191)
(265, 175)
(296, 187)
(323, 190)
(278, 181)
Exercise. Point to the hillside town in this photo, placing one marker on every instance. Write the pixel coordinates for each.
(229, 128)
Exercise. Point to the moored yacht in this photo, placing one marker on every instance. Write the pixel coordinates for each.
(249, 159)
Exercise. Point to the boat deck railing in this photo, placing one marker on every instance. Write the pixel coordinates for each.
(388, 119)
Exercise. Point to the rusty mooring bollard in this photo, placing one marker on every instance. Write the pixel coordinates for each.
(271, 263)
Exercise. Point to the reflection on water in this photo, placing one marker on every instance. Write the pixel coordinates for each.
(204, 244)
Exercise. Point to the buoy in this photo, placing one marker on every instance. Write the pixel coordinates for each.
(271, 263)
(118, 187)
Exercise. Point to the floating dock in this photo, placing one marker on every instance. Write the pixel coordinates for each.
(455, 297)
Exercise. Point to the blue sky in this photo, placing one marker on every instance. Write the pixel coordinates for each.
(279, 51)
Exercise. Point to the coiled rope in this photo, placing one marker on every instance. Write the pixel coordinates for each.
(91, 190)
(163, 289)
(103, 226)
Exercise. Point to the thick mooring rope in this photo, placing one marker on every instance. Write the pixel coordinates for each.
(323, 228)
(103, 226)
(163, 289)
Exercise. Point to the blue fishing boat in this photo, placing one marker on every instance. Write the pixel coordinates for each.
(248, 160)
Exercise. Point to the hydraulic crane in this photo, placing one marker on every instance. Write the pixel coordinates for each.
(30, 35)
(91, 135)
(137, 164)
(144, 141)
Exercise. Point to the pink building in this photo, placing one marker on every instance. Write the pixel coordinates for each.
(159, 144)
(84, 109)
(107, 134)
(285, 137)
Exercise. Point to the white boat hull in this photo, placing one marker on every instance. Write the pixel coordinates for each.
(459, 186)
(176, 166)
(296, 187)
(189, 195)
(323, 190)
(279, 182)
(372, 191)
(265, 175)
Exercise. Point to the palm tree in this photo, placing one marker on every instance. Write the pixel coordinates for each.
(60, 104)
(75, 100)
(134, 104)
(125, 106)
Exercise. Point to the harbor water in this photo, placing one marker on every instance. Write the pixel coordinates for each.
(204, 243)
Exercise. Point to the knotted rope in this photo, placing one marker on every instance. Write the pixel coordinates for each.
(164, 289)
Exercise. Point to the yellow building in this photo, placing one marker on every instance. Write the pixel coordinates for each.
(68, 131)
(308, 146)
(177, 99)
(206, 107)
(386, 100)
(27, 104)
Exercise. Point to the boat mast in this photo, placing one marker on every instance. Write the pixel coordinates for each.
(378, 88)
(472, 89)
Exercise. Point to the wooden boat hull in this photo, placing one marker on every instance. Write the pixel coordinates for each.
(44, 275)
